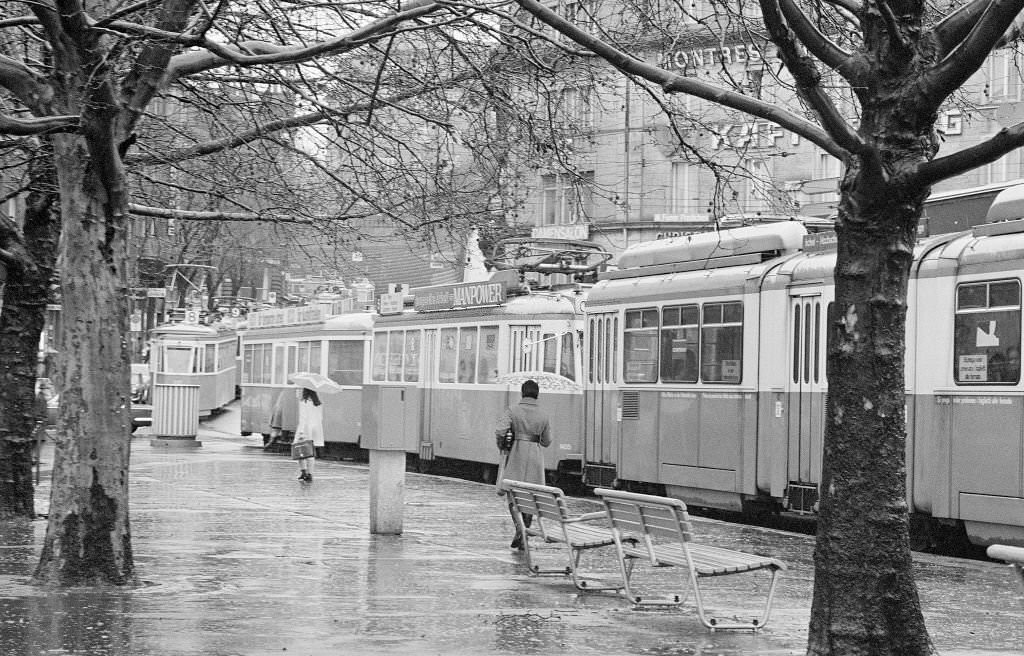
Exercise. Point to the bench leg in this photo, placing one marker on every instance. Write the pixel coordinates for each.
(577, 580)
(754, 625)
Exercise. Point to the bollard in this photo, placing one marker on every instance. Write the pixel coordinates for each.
(175, 416)
(387, 491)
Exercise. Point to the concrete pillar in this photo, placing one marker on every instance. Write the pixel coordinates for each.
(387, 491)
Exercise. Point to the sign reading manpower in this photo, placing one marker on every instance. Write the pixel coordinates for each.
(461, 295)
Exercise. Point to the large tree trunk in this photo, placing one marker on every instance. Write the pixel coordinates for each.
(865, 600)
(21, 323)
(88, 539)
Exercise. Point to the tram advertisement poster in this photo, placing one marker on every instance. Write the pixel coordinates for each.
(462, 295)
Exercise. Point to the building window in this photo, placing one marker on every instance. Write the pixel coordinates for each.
(566, 199)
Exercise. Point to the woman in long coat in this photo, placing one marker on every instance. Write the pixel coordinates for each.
(311, 427)
(525, 461)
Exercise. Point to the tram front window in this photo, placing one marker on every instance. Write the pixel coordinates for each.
(178, 360)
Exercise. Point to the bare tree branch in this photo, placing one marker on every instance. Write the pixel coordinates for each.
(34, 126)
(818, 44)
(943, 168)
(952, 29)
(218, 54)
(970, 54)
(673, 83)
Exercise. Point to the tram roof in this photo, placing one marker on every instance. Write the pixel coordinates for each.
(190, 330)
(710, 249)
(681, 285)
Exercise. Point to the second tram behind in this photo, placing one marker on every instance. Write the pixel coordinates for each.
(444, 371)
(280, 343)
(707, 373)
(195, 354)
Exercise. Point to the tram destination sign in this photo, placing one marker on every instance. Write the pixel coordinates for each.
(459, 295)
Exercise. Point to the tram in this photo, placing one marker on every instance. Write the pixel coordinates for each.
(328, 339)
(445, 369)
(196, 354)
(707, 379)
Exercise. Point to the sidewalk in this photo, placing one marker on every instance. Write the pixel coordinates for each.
(240, 558)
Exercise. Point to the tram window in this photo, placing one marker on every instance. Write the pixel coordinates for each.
(345, 361)
(209, 359)
(680, 341)
(550, 353)
(641, 346)
(279, 371)
(303, 357)
(225, 356)
(797, 313)
(613, 352)
(266, 357)
(487, 368)
(567, 359)
(986, 341)
(448, 363)
(247, 361)
(722, 343)
(396, 347)
(412, 356)
(380, 355)
(817, 351)
(467, 355)
(591, 339)
(178, 360)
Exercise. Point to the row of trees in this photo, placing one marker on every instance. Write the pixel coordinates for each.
(322, 115)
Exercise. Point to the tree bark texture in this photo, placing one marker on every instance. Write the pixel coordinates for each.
(865, 599)
(88, 540)
(21, 323)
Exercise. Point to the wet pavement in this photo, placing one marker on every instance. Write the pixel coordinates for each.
(238, 557)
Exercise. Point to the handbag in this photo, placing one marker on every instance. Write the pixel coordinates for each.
(507, 440)
(302, 449)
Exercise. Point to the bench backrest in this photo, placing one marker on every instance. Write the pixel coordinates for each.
(541, 501)
(654, 518)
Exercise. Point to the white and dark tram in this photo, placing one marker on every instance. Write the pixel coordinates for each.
(187, 353)
(279, 343)
(706, 372)
(446, 369)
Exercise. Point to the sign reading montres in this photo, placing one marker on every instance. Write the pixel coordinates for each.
(459, 295)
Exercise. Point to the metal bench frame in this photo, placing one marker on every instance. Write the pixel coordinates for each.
(553, 523)
(666, 539)
(1012, 556)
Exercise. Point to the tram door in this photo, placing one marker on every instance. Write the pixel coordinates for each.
(806, 399)
(601, 433)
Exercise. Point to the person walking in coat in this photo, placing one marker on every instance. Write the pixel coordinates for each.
(525, 462)
(311, 427)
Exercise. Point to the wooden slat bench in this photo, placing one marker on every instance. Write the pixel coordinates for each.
(1013, 556)
(666, 539)
(553, 523)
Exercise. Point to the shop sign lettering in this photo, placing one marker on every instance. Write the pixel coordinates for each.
(463, 295)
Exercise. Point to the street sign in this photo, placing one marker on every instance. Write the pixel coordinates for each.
(156, 292)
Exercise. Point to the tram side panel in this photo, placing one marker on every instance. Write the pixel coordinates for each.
(969, 445)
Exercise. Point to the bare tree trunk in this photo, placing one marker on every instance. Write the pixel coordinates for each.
(21, 324)
(88, 540)
(865, 599)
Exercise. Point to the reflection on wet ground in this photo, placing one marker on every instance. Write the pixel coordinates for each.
(237, 557)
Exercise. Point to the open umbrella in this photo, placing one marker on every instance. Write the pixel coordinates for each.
(545, 380)
(317, 382)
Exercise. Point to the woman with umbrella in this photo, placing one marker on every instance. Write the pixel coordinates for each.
(309, 434)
